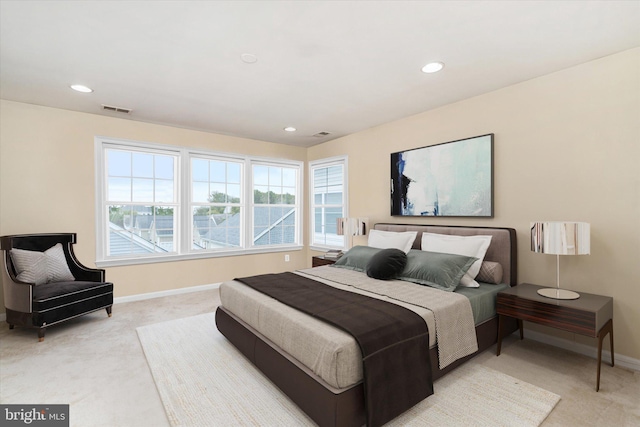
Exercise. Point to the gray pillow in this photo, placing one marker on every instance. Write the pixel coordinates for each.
(41, 267)
(490, 272)
(31, 266)
(435, 269)
(386, 264)
(356, 258)
(57, 268)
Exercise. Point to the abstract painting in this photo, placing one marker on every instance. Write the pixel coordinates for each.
(453, 179)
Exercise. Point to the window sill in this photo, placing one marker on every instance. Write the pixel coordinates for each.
(193, 256)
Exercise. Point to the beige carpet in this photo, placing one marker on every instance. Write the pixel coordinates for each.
(203, 380)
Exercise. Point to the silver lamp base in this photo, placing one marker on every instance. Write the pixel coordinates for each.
(557, 293)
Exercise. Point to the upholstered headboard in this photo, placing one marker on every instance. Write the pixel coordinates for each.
(503, 248)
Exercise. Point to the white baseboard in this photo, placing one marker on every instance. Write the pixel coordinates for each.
(620, 359)
(151, 295)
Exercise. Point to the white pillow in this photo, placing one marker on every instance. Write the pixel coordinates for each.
(391, 239)
(475, 246)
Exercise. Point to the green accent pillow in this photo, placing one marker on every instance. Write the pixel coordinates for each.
(435, 269)
(356, 258)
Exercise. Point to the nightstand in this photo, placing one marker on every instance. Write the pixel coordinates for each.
(590, 315)
(319, 260)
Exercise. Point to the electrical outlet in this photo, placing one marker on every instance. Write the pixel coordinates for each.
(286, 258)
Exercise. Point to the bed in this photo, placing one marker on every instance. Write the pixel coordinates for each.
(328, 398)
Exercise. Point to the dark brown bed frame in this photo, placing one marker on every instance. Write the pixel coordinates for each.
(328, 406)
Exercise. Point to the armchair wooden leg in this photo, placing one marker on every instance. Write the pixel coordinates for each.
(41, 334)
(11, 326)
(109, 311)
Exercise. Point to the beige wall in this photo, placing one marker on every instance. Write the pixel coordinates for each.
(47, 185)
(567, 147)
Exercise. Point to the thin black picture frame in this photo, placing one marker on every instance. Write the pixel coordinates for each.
(450, 179)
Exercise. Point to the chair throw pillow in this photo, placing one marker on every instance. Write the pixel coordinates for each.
(387, 264)
(41, 267)
(57, 268)
(31, 266)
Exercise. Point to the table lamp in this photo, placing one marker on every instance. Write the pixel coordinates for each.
(560, 238)
(351, 227)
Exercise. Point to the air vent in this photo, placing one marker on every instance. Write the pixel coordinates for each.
(116, 109)
(321, 134)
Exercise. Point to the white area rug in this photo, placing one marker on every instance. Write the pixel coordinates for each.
(204, 381)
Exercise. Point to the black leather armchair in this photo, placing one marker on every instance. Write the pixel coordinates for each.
(43, 305)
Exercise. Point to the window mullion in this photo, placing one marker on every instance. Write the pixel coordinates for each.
(184, 187)
(249, 203)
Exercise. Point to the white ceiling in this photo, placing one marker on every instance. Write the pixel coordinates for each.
(338, 67)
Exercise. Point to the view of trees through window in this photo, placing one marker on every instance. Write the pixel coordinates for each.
(216, 203)
(274, 205)
(141, 196)
(145, 212)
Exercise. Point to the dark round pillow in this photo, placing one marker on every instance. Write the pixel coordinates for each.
(386, 264)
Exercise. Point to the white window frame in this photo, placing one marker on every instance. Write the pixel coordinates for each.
(183, 188)
(319, 164)
(299, 167)
(243, 198)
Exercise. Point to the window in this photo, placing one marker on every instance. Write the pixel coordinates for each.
(141, 202)
(275, 207)
(216, 203)
(158, 203)
(328, 201)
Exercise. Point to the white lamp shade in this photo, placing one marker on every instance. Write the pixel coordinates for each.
(560, 238)
(351, 227)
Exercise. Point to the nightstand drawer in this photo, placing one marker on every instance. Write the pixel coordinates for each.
(585, 316)
(565, 318)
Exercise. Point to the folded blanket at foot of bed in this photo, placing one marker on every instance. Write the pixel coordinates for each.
(394, 340)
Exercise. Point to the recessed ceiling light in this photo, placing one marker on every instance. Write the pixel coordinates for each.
(290, 129)
(249, 58)
(433, 67)
(81, 88)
